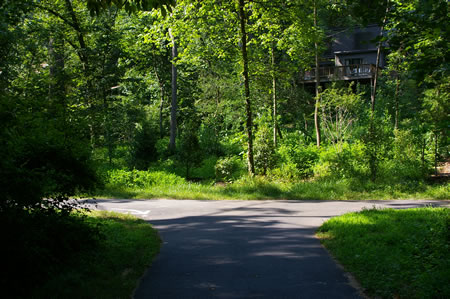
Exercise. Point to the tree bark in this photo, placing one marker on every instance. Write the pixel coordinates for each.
(397, 84)
(161, 103)
(377, 64)
(57, 89)
(174, 107)
(373, 160)
(317, 75)
(76, 25)
(248, 107)
(435, 153)
(274, 94)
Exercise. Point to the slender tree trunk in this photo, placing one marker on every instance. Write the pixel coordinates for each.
(174, 108)
(279, 131)
(161, 105)
(373, 160)
(274, 93)
(57, 90)
(424, 144)
(317, 75)
(397, 112)
(161, 102)
(108, 137)
(76, 25)
(377, 64)
(435, 152)
(248, 107)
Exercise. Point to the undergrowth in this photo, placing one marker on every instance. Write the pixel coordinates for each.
(93, 255)
(160, 184)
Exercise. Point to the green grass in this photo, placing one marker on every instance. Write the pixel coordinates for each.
(394, 253)
(113, 268)
(137, 185)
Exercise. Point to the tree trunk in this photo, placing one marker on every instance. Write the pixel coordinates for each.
(173, 108)
(377, 64)
(57, 89)
(435, 153)
(161, 105)
(317, 75)
(76, 25)
(274, 93)
(396, 103)
(161, 101)
(373, 160)
(424, 144)
(248, 107)
(279, 131)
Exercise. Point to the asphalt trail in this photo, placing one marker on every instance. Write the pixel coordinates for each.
(244, 249)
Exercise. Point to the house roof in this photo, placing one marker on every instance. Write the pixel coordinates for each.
(352, 40)
(355, 51)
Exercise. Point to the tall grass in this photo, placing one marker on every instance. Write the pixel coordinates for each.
(394, 253)
(160, 184)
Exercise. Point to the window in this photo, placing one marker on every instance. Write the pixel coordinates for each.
(353, 66)
(353, 61)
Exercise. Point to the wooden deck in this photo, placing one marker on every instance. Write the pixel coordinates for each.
(338, 73)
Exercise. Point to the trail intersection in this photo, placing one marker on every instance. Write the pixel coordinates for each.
(244, 249)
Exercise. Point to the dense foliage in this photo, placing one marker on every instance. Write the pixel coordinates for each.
(111, 92)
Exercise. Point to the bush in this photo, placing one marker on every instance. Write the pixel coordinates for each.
(39, 170)
(405, 159)
(295, 160)
(209, 139)
(121, 158)
(228, 168)
(144, 146)
(234, 144)
(188, 147)
(37, 243)
(140, 179)
(264, 150)
(286, 171)
(162, 147)
(206, 169)
(343, 160)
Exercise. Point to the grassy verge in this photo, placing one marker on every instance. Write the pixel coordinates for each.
(136, 186)
(112, 269)
(394, 253)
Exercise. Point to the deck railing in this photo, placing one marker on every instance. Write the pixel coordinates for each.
(346, 72)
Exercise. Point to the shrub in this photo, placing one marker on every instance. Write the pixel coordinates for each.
(286, 171)
(264, 150)
(162, 147)
(209, 139)
(40, 170)
(188, 147)
(140, 179)
(38, 243)
(228, 168)
(234, 144)
(144, 146)
(206, 169)
(295, 159)
(343, 160)
(405, 159)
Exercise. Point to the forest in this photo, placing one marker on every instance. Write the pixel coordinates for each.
(208, 100)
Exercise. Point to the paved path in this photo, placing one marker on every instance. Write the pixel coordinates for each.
(244, 249)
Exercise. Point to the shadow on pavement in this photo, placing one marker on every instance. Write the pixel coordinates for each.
(241, 257)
